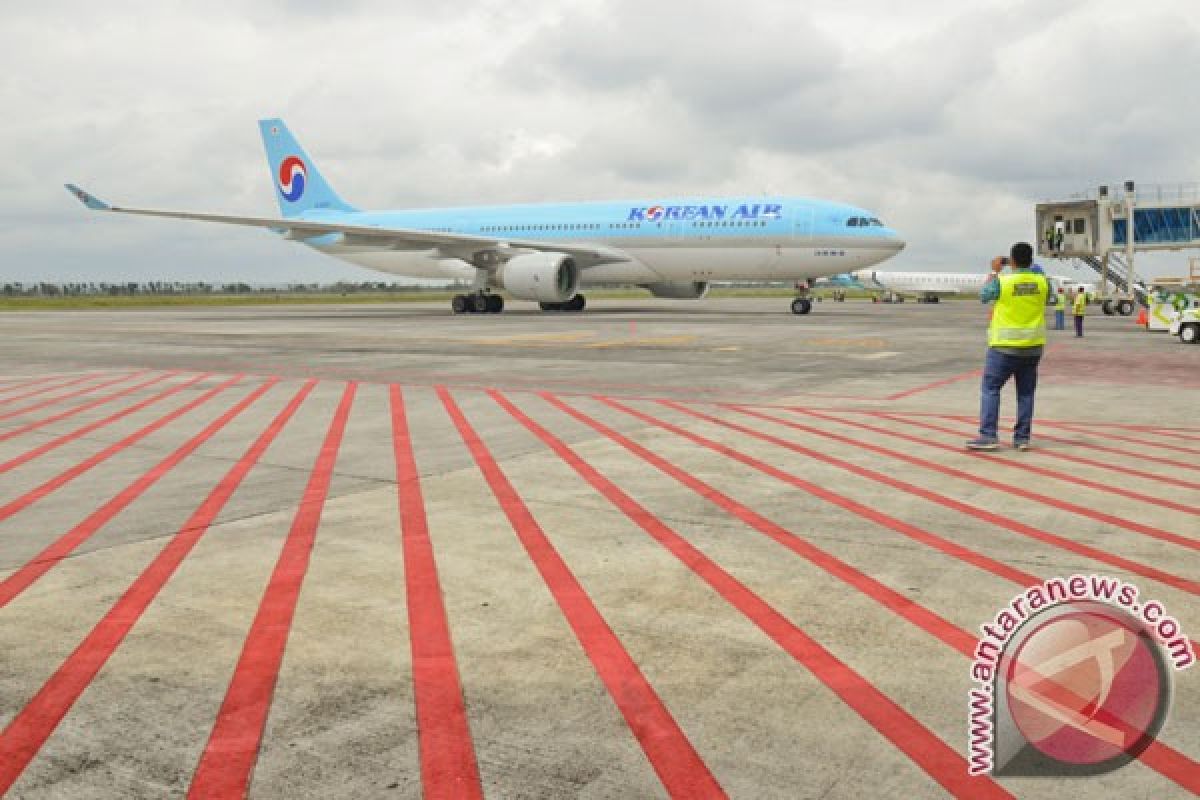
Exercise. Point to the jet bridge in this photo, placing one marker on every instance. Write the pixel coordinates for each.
(1093, 229)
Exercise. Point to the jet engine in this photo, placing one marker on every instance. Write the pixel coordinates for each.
(544, 277)
(679, 290)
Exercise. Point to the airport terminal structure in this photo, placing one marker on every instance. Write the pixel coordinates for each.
(1095, 231)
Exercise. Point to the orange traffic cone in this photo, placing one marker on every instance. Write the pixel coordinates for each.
(1141, 318)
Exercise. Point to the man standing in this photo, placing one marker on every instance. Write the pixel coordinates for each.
(1060, 310)
(1079, 306)
(1016, 336)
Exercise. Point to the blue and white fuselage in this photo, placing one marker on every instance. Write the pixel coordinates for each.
(680, 239)
(673, 246)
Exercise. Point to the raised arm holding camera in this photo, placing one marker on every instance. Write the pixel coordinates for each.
(1016, 337)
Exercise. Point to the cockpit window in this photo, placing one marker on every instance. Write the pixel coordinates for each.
(876, 222)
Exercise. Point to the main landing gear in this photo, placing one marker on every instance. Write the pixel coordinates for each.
(576, 303)
(477, 303)
(801, 305)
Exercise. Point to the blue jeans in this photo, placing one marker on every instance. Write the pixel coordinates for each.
(997, 369)
(1060, 319)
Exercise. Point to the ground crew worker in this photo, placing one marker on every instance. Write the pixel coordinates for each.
(1079, 306)
(1060, 310)
(1016, 336)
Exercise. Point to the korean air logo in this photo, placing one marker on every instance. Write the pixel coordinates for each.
(292, 176)
(654, 213)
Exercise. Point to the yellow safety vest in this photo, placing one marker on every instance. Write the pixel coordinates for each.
(1019, 319)
(1060, 302)
(1080, 304)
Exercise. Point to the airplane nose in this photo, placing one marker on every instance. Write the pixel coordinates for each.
(894, 243)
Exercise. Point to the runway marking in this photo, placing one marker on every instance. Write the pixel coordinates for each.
(62, 547)
(1077, 428)
(225, 767)
(941, 762)
(49, 401)
(43, 389)
(59, 441)
(679, 767)
(87, 390)
(649, 341)
(1167, 462)
(63, 478)
(1019, 528)
(28, 731)
(890, 599)
(534, 339)
(1165, 760)
(447, 754)
(1008, 488)
(975, 373)
(1045, 453)
(913, 532)
(71, 412)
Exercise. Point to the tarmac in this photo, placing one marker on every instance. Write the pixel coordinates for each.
(656, 549)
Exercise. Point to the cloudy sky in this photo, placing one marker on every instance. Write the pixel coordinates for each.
(949, 119)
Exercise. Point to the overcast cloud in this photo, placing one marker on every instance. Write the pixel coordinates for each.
(949, 119)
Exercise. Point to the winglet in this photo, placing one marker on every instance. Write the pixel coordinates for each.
(89, 200)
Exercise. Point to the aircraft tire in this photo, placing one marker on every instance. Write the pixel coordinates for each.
(458, 304)
(1107, 308)
(495, 303)
(1125, 308)
(550, 306)
(576, 303)
(801, 305)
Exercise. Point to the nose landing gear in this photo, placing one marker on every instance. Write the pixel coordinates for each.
(801, 305)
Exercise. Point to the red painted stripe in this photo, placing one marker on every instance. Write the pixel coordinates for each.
(1007, 488)
(58, 398)
(448, 766)
(71, 412)
(890, 599)
(927, 751)
(228, 760)
(682, 772)
(1160, 757)
(1091, 445)
(44, 561)
(905, 529)
(26, 382)
(1164, 759)
(1140, 441)
(57, 482)
(1043, 453)
(975, 373)
(59, 441)
(33, 725)
(1184, 584)
(42, 389)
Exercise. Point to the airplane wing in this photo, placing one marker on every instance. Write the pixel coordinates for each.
(482, 251)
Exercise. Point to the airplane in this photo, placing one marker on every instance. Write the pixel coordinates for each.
(930, 287)
(674, 247)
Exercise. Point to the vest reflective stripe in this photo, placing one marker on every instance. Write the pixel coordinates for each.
(1019, 319)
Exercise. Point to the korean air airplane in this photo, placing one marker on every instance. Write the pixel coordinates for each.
(544, 253)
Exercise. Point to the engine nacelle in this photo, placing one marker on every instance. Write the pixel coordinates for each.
(544, 277)
(679, 290)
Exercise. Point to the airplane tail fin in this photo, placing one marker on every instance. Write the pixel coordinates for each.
(298, 183)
